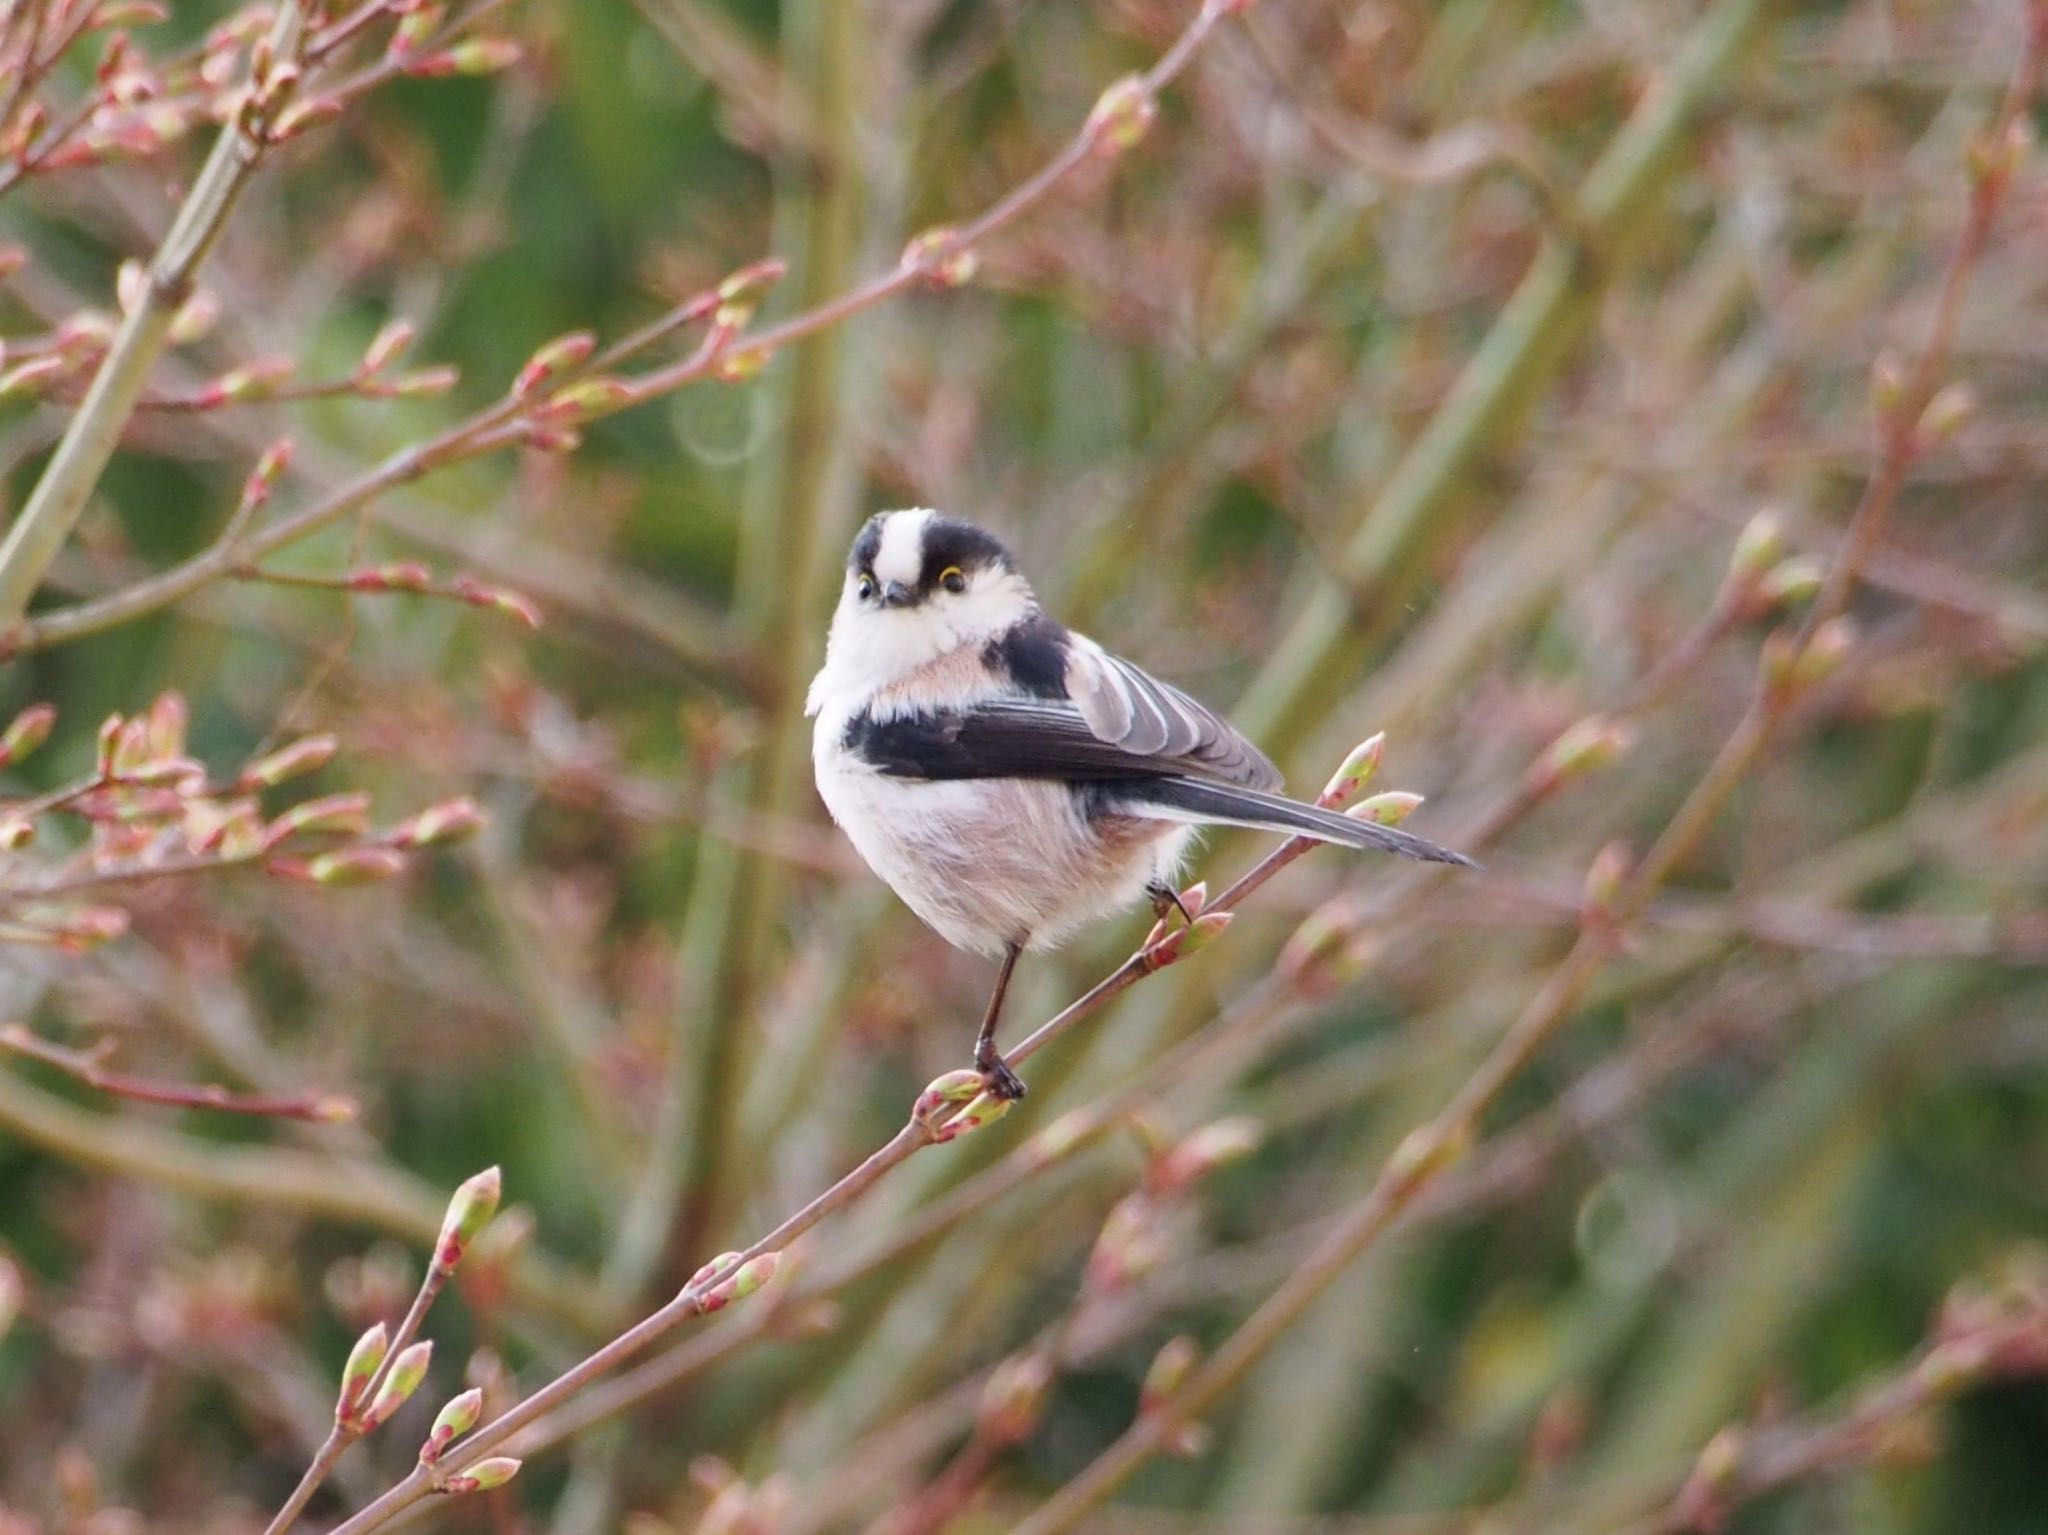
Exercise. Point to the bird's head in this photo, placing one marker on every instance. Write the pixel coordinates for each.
(918, 586)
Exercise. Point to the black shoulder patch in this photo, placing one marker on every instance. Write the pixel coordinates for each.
(950, 542)
(1033, 655)
(866, 544)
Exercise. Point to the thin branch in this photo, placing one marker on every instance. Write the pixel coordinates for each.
(89, 1067)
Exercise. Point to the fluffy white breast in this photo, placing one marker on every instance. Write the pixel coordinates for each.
(874, 648)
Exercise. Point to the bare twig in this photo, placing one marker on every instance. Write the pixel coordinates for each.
(89, 1067)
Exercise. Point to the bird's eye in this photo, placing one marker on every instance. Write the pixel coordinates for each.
(952, 579)
(866, 585)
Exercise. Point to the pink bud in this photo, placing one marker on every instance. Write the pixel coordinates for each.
(738, 367)
(938, 256)
(1584, 747)
(500, 600)
(477, 56)
(88, 927)
(308, 754)
(750, 281)
(355, 866)
(424, 384)
(737, 1286)
(451, 821)
(1183, 941)
(415, 26)
(346, 814)
(594, 397)
(35, 376)
(1122, 116)
(251, 381)
(394, 576)
(304, 115)
(1131, 1245)
(1201, 1153)
(558, 356)
(703, 1277)
(196, 318)
(385, 348)
(27, 731)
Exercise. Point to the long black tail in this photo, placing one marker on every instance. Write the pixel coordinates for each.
(1195, 799)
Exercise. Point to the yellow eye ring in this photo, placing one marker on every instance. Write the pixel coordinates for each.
(953, 579)
(866, 585)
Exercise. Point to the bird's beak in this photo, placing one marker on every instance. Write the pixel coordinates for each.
(897, 595)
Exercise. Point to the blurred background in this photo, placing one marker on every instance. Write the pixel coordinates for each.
(1419, 371)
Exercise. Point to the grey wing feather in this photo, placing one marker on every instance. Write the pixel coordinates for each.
(1129, 708)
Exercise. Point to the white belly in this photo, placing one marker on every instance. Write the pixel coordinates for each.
(990, 862)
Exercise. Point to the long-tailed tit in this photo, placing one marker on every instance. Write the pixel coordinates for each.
(1009, 778)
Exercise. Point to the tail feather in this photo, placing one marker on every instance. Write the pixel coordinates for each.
(1219, 804)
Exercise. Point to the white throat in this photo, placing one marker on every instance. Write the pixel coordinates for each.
(872, 648)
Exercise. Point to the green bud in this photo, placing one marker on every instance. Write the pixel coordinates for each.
(1760, 545)
(1390, 808)
(1013, 1400)
(363, 1361)
(1792, 581)
(495, 1471)
(407, 1371)
(356, 866)
(1947, 413)
(475, 1202)
(943, 1093)
(1355, 773)
(1122, 116)
(1168, 1371)
(454, 1420)
(1424, 1152)
(984, 1109)
(1585, 747)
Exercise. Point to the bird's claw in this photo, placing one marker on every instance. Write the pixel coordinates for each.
(999, 1080)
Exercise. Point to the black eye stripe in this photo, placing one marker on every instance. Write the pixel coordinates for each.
(948, 543)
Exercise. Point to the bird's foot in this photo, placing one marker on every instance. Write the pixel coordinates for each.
(1164, 899)
(997, 1077)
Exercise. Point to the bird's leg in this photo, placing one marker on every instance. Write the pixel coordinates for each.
(1164, 899)
(995, 1071)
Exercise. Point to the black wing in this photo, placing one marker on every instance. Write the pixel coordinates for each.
(1079, 711)
(1002, 738)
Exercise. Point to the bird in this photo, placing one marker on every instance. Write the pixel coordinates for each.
(1010, 779)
